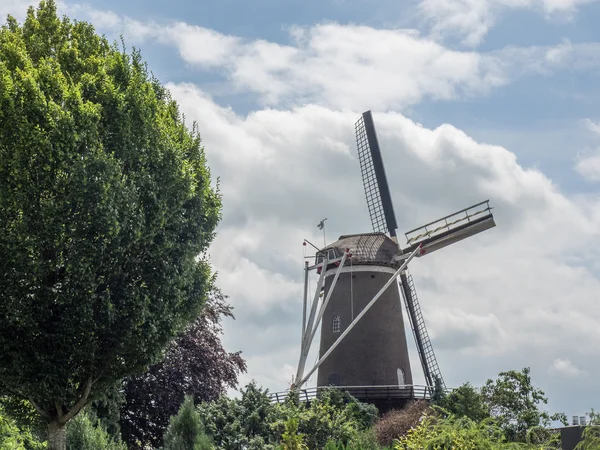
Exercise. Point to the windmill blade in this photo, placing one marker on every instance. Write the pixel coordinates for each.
(377, 192)
(450, 229)
(424, 348)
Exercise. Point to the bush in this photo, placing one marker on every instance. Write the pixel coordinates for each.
(185, 430)
(364, 440)
(397, 422)
(83, 434)
(13, 437)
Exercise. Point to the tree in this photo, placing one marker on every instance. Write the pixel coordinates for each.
(466, 401)
(106, 210)
(84, 433)
(196, 364)
(244, 422)
(514, 402)
(185, 431)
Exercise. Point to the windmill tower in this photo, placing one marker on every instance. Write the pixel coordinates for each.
(363, 283)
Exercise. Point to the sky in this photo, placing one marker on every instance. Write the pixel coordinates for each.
(472, 100)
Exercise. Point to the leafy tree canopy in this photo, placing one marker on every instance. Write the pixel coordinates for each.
(254, 422)
(466, 401)
(106, 204)
(515, 403)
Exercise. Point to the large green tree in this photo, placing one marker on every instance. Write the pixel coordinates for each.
(515, 403)
(106, 208)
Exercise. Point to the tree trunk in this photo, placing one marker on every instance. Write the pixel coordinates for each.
(57, 436)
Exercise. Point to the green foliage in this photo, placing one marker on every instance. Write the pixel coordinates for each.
(591, 433)
(106, 204)
(14, 436)
(333, 416)
(333, 445)
(10, 435)
(252, 421)
(106, 409)
(292, 439)
(439, 393)
(364, 440)
(466, 401)
(594, 417)
(25, 417)
(83, 434)
(451, 432)
(240, 423)
(514, 402)
(185, 431)
(590, 439)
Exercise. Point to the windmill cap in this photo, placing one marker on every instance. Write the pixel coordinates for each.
(366, 248)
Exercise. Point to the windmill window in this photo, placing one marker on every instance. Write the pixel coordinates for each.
(337, 324)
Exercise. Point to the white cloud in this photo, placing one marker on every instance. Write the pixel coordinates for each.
(471, 20)
(589, 167)
(566, 368)
(339, 65)
(348, 67)
(588, 164)
(357, 67)
(594, 127)
(16, 8)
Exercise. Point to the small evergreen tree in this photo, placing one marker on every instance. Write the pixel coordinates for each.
(185, 431)
(83, 434)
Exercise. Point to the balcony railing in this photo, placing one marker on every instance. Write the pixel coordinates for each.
(363, 393)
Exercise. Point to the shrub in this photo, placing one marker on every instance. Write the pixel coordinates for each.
(16, 437)
(83, 434)
(397, 422)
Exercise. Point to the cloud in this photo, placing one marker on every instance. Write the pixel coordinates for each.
(346, 67)
(594, 127)
(16, 8)
(510, 295)
(329, 61)
(471, 20)
(589, 167)
(353, 67)
(588, 164)
(566, 368)
(459, 330)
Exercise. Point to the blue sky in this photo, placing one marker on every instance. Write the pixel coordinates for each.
(473, 99)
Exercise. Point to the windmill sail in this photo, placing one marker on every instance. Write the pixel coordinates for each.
(377, 192)
(450, 229)
(426, 354)
(381, 210)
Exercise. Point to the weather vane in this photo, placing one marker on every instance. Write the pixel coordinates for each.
(321, 226)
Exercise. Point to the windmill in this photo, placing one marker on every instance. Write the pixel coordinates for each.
(363, 343)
